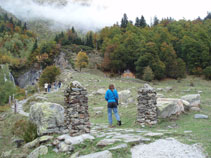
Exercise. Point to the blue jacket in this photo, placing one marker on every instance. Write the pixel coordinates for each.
(110, 96)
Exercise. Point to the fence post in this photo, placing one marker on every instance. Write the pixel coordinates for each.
(10, 100)
(26, 93)
(15, 106)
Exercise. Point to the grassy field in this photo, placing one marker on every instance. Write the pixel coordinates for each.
(201, 128)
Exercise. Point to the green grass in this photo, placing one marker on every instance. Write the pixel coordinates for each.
(94, 80)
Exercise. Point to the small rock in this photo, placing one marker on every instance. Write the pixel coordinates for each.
(100, 91)
(6, 154)
(31, 144)
(121, 146)
(42, 150)
(98, 108)
(63, 147)
(63, 137)
(106, 142)
(200, 116)
(45, 138)
(195, 109)
(153, 134)
(55, 150)
(102, 154)
(56, 142)
(187, 131)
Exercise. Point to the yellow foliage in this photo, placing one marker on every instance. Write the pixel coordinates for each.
(82, 60)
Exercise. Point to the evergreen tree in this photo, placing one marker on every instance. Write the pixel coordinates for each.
(73, 30)
(124, 21)
(137, 23)
(143, 22)
(155, 21)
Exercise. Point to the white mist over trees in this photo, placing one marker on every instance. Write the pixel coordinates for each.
(96, 14)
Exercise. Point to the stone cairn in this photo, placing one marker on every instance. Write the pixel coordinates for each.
(147, 110)
(76, 109)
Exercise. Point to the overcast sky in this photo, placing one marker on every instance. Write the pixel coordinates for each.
(102, 13)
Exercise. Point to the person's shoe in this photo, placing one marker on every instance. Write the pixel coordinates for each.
(119, 123)
(110, 126)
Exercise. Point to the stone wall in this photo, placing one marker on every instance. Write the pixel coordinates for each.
(76, 110)
(147, 110)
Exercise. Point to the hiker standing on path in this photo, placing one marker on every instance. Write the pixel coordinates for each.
(46, 87)
(112, 97)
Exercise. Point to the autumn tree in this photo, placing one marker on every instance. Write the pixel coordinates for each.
(82, 60)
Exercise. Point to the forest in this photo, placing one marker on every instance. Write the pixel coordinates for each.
(167, 48)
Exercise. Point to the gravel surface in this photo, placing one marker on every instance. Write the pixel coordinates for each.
(167, 148)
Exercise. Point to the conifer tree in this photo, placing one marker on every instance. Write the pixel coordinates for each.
(124, 21)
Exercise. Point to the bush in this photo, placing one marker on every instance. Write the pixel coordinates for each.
(25, 130)
(49, 75)
(148, 74)
(7, 88)
(207, 72)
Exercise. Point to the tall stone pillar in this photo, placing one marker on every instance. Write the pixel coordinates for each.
(76, 110)
(147, 110)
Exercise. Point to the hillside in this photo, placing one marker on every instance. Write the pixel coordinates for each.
(185, 128)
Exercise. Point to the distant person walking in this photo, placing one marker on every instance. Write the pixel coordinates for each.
(112, 97)
(55, 85)
(60, 84)
(46, 87)
(49, 87)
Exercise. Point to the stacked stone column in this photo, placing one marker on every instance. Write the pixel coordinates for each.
(76, 110)
(147, 110)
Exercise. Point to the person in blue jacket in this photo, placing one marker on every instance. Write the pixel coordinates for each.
(112, 97)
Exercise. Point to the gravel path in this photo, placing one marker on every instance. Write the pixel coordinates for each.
(166, 148)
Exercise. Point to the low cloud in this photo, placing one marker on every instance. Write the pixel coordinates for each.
(96, 14)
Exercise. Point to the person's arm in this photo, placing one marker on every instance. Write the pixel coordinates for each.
(106, 96)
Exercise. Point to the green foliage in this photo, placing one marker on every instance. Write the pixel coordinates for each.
(7, 88)
(148, 74)
(25, 130)
(207, 72)
(49, 75)
(169, 47)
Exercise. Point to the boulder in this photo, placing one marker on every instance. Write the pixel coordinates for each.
(42, 150)
(100, 92)
(200, 116)
(49, 117)
(124, 96)
(193, 99)
(168, 107)
(102, 154)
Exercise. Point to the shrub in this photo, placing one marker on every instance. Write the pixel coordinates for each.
(26, 130)
(7, 88)
(49, 75)
(148, 74)
(207, 72)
